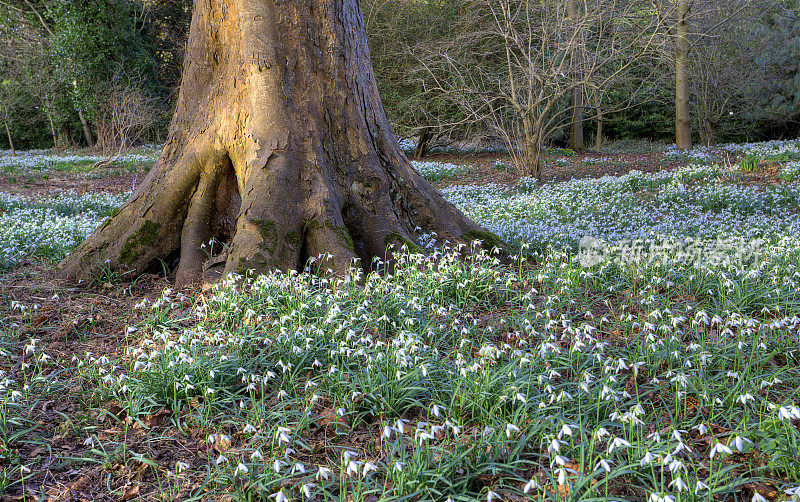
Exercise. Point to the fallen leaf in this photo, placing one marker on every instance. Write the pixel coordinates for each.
(130, 493)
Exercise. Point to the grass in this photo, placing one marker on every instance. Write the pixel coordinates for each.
(641, 344)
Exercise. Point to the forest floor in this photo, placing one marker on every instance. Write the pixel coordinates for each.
(644, 346)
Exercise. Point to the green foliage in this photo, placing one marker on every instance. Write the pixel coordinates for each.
(749, 163)
(562, 152)
(93, 39)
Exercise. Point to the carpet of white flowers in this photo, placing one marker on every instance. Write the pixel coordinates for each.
(50, 225)
(641, 344)
(41, 161)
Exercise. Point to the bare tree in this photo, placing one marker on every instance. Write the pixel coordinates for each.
(11, 100)
(400, 35)
(515, 64)
(125, 117)
(730, 71)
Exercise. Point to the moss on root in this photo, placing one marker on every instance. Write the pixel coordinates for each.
(292, 238)
(258, 262)
(269, 235)
(487, 240)
(145, 237)
(399, 240)
(345, 240)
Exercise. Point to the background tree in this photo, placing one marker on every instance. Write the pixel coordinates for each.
(731, 72)
(683, 127)
(576, 122)
(513, 63)
(92, 41)
(401, 36)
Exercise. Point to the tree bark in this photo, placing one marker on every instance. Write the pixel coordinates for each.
(10, 140)
(52, 129)
(709, 133)
(532, 155)
(423, 144)
(683, 128)
(279, 148)
(87, 131)
(598, 139)
(576, 124)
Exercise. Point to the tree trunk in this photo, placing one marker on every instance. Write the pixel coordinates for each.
(423, 144)
(576, 124)
(598, 139)
(683, 128)
(10, 140)
(710, 134)
(52, 129)
(532, 155)
(279, 148)
(87, 131)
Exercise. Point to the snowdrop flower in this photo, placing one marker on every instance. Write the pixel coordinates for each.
(562, 476)
(241, 470)
(700, 486)
(679, 484)
(740, 442)
(511, 428)
(661, 497)
(492, 496)
(530, 485)
(181, 466)
(305, 490)
(256, 456)
(324, 473)
(604, 464)
(222, 459)
(745, 398)
(617, 443)
(368, 467)
(280, 497)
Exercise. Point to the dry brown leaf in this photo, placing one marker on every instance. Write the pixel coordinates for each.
(130, 493)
